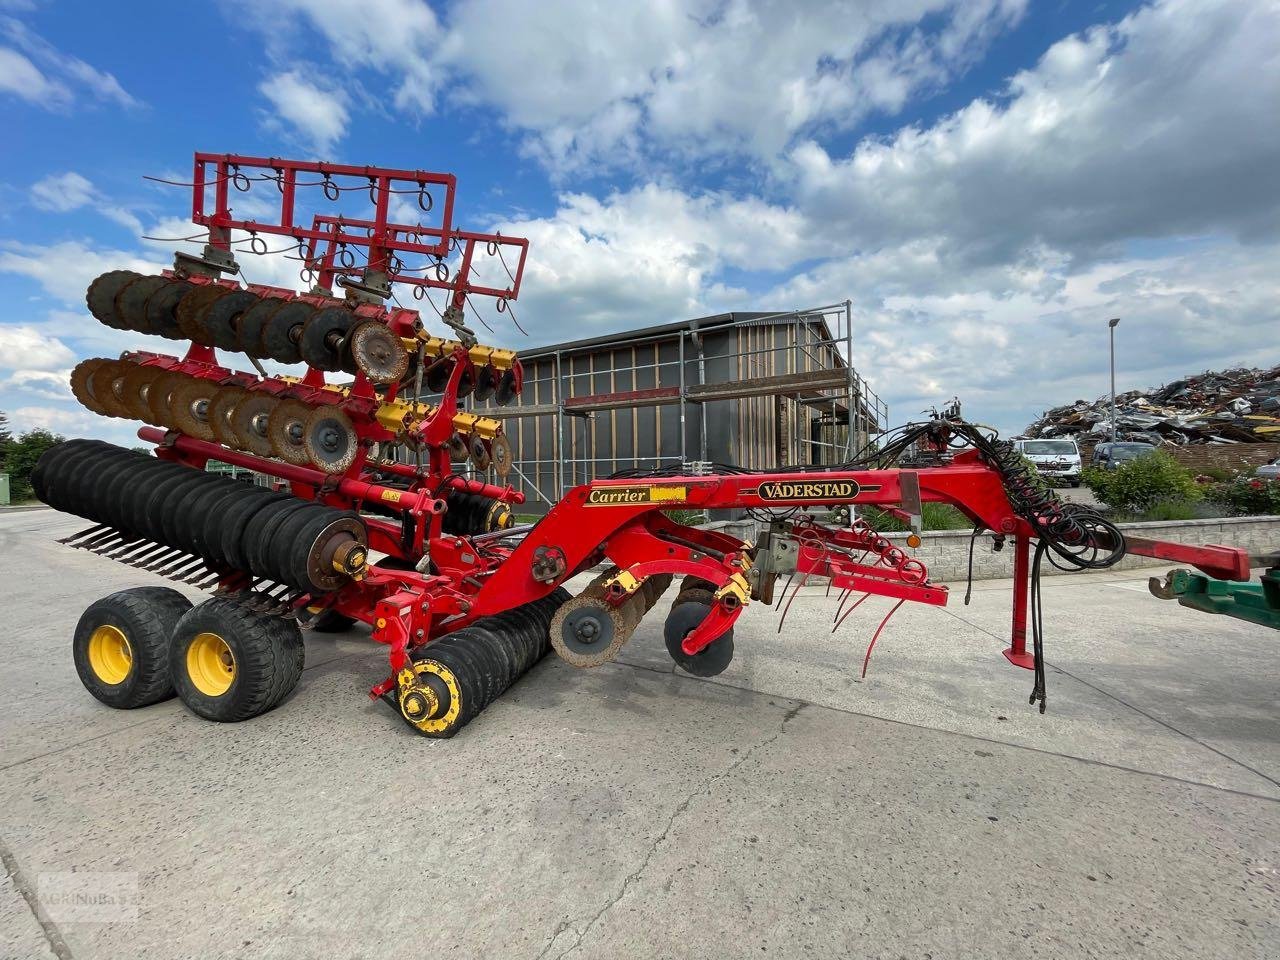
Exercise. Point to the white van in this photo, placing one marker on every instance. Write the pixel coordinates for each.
(1058, 461)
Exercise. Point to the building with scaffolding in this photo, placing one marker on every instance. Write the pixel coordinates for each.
(752, 389)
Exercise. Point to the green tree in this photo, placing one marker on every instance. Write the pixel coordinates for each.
(1138, 485)
(20, 459)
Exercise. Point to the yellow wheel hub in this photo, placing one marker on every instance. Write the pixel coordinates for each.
(110, 655)
(210, 664)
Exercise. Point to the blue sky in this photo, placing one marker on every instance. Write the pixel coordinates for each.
(988, 181)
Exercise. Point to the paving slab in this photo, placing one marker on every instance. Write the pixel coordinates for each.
(786, 808)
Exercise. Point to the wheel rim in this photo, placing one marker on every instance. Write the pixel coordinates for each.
(211, 664)
(110, 655)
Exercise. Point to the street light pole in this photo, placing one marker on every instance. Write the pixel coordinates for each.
(1111, 325)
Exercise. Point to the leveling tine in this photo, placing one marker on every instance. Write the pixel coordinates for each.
(79, 535)
(849, 611)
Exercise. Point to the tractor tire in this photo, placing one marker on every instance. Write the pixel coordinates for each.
(121, 646)
(231, 664)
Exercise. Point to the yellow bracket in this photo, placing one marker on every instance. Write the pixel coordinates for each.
(480, 354)
(624, 579)
(739, 587)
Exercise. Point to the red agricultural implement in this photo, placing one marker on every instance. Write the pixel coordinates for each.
(422, 546)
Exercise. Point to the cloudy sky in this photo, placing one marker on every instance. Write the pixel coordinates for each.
(988, 181)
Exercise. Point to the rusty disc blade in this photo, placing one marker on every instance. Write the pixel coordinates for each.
(136, 389)
(379, 353)
(286, 428)
(249, 422)
(159, 395)
(501, 454)
(330, 439)
(106, 385)
(80, 384)
(220, 410)
(480, 453)
(189, 407)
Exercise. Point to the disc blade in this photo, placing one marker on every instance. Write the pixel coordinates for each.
(249, 423)
(501, 455)
(189, 407)
(480, 453)
(159, 395)
(80, 384)
(330, 439)
(105, 385)
(137, 386)
(220, 410)
(286, 428)
(379, 353)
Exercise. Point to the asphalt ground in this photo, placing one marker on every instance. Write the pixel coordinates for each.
(785, 808)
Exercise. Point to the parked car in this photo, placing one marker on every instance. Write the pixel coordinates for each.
(1269, 471)
(1056, 460)
(1108, 456)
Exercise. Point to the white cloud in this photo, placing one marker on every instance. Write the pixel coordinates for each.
(38, 72)
(62, 192)
(599, 83)
(47, 384)
(66, 269)
(24, 347)
(1110, 137)
(318, 116)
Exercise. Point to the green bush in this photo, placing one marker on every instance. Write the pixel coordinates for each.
(1136, 486)
(1248, 496)
(936, 516)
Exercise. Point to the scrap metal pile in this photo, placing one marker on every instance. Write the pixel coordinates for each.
(422, 547)
(1228, 406)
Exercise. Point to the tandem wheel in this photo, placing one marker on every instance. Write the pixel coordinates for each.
(121, 646)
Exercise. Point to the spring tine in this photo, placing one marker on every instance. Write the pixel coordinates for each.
(180, 560)
(80, 535)
(849, 611)
(787, 609)
(844, 595)
(876, 636)
(110, 545)
(784, 590)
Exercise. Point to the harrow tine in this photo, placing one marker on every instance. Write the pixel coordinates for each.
(80, 535)
(147, 555)
(876, 636)
(109, 544)
(852, 608)
(844, 595)
(141, 545)
(93, 543)
(158, 565)
(115, 553)
(182, 568)
(784, 590)
(787, 609)
(201, 573)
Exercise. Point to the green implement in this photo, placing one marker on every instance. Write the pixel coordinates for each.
(1256, 602)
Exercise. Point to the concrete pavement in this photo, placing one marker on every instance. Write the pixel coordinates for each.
(785, 808)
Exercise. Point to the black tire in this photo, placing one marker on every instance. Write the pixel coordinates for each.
(266, 656)
(686, 613)
(145, 618)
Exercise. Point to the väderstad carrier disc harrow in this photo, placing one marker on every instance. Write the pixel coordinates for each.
(421, 546)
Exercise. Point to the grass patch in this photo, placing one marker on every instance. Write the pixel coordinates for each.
(935, 516)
